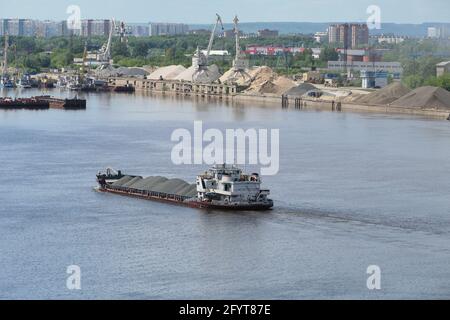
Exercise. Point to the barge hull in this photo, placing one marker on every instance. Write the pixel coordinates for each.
(181, 201)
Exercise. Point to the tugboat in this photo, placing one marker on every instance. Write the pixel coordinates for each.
(222, 187)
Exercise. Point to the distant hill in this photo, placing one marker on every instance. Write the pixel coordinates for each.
(411, 30)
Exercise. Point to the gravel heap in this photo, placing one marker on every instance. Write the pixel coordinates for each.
(300, 90)
(158, 184)
(122, 72)
(424, 98)
(384, 96)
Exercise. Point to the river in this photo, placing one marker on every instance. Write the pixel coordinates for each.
(353, 190)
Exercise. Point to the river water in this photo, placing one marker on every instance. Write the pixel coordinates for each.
(353, 190)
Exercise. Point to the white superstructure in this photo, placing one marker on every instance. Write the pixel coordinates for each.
(228, 184)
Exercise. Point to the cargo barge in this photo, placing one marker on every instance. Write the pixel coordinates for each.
(23, 103)
(221, 187)
(66, 104)
(42, 103)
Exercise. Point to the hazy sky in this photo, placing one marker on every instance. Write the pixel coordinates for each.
(202, 11)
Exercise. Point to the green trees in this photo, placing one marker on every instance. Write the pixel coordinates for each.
(419, 59)
(329, 54)
(119, 49)
(442, 81)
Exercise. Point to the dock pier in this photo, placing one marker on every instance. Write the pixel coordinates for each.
(177, 87)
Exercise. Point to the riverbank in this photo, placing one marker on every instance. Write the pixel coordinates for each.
(230, 92)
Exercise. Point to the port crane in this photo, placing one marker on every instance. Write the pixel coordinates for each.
(201, 61)
(240, 63)
(104, 55)
(213, 34)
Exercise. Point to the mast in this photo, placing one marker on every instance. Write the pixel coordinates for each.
(236, 32)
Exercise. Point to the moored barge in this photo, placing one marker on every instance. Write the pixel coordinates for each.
(23, 103)
(66, 104)
(42, 103)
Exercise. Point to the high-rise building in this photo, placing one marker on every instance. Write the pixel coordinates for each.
(333, 36)
(48, 29)
(348, 35)
(91, 27)
(15, 27)
(167, 29)
(438, 32)
(3, 26)
(360, 35)
(140, 30)
(29, 27)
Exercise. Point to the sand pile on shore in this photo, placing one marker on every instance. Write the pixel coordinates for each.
(233, 77)
(266, 81)
(383, 96)
(166, 73)
(425, 97)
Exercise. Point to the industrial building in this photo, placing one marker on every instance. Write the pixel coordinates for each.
(361, 55)
(394, 68)
(372, 79)
(321, 37)
(272, 50)
(442, 68)
(390, 39)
